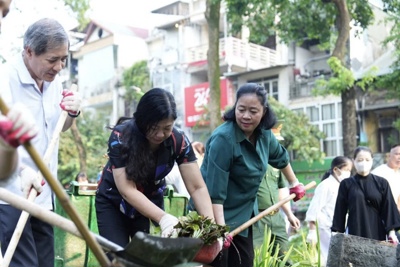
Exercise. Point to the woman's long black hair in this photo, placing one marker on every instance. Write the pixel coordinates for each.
(269, 118)
(154, 106)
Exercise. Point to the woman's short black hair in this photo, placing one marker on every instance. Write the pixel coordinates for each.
(269, 119)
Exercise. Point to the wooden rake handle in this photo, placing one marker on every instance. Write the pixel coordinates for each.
(64, 199)
(268, 211)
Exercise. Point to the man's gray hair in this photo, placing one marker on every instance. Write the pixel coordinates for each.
(45, 34)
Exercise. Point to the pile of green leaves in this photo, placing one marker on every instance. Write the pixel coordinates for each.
(197, 226)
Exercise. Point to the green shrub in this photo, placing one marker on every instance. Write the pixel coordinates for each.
(304, 253)
(300, 253)
(265, 257)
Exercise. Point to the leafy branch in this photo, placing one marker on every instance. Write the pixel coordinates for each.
(197, 226)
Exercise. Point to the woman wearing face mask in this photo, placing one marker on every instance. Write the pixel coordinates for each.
(368, 200)
(323, 203)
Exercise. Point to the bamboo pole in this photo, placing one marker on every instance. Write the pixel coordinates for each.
(63, 199)
(268, 211)
(52, 218)
(33, 193)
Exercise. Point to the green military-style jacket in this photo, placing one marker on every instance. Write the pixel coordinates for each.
(268, 194)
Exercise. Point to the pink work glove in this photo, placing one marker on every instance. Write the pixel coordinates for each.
(18, 126)
(227, 241)
(298, 189)
(393, 238)
(71, 102)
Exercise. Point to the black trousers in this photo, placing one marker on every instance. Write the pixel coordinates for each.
(115, 226)
(239, 254)
(36, 245)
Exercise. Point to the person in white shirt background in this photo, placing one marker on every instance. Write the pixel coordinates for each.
(174, 178)
(391, 172)
(322, 205)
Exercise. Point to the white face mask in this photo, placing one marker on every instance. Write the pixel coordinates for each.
(363, 167)
(343, 175)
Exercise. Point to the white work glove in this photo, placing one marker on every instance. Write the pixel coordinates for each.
(393, 238)
(334, 233)
(312, 237)
(30, 178)
(17, 127)
(71, 102)
(167, 224)
(220, 243)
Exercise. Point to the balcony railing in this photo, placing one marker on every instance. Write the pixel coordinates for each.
(237, 52)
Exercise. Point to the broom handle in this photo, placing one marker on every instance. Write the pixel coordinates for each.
(268, 211)
(52, 218)
(33, 193)
(63, 198)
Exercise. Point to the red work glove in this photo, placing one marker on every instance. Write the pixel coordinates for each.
(298, 189)
(71, 102)
(18, 126)
(227, 241)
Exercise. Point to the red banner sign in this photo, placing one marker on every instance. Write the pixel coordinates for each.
(197, 98)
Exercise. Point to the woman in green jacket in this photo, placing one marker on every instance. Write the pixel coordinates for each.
(236, 159)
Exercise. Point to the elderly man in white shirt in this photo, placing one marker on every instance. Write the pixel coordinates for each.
(391, 172)
(32, 79)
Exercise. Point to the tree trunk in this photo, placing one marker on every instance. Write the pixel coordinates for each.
(212, 15)
(343, 27)
(349, 122)
(348, 95)
(79, 145)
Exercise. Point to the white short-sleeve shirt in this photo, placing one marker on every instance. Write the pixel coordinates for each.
(392, 176)
(45, 109)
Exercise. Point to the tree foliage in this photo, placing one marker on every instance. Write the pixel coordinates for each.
(392, 80)
(135, 78)
(94, 135)
(300, 136)
(326, 22)
(80, 8)
(342, 80)
(294, 21)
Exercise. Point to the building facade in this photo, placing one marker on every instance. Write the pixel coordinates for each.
(288, 72)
